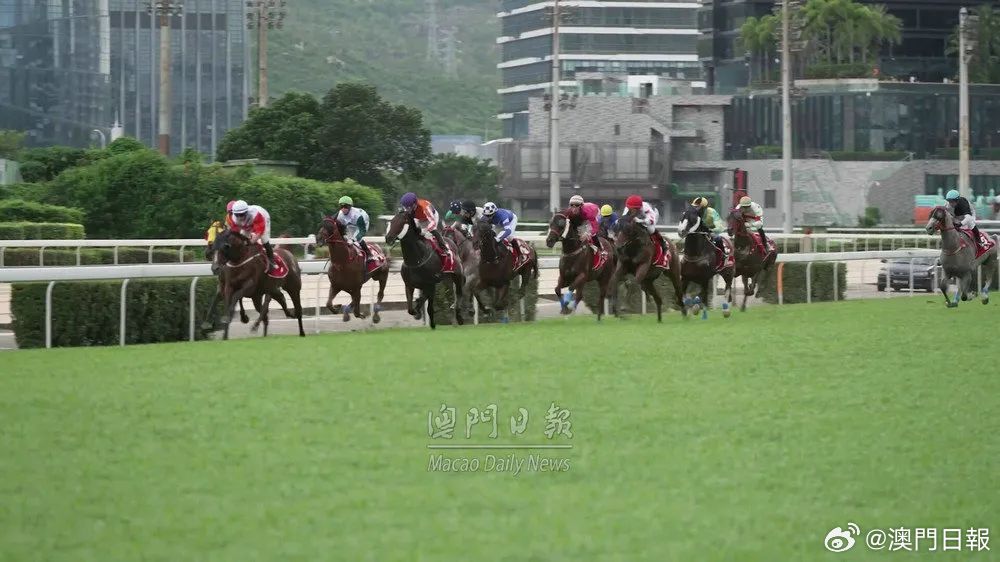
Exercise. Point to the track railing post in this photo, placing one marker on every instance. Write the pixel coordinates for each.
(912, 263)
(121, 314)
(48, 314)
(319, 281)
(781, 282)
(191, 309)
(836, 280)
(809, 282)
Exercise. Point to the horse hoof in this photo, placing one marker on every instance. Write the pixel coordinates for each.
(245, 319)
(743, 308)
(376, 318)
(952, 305)
(986, 300)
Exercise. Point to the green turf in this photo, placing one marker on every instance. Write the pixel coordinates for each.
(743, 440)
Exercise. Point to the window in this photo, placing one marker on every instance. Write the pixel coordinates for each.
(770, 198)
(776, 175)
(618, 130)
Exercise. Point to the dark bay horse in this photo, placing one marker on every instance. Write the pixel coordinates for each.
(699, 262)
(347, 269)
(635, 252)
(470, 266)
(422, 268)
(750, 264)
(215, 256)
(496, 266)
(244, 274)
(958, 258)
(576, 264)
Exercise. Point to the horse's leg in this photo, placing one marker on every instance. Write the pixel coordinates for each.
(333, 293)
(647, 285)
(356, 303)
(243, 313)
(261, 312)
(747, 283)
(990, 265)
(382, 279)
(231, 299)
(704, 297)
(678, 284)
(429, 297)
(458, 282)
(279, 297)
(685, 301)
(205, 324)
(503, 294)
(943, 285)
(296, 294)
(578, 283)
(265, 309)
(409, 301)
(560, 283)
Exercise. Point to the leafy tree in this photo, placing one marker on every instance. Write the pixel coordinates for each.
(759, 37)
(451, 177)
(44, 164)
(984, 65)
(10, 143)
(124, 145)
(352, 133)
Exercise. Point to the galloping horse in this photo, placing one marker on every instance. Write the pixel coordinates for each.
(750, 264)
(578, 265)
(959, 256)
(245, 275)
(470, 267)
(347, 269)
(636, 251)
(497, 268)
(422, 268)
(701, 262)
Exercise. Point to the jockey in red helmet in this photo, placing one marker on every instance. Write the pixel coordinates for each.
(647, 216)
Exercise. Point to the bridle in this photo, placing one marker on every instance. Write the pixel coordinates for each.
(552, 231)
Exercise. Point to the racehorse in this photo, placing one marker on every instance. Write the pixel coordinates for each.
(244, 274)
(700, 262)
(497, 268)
(578, 265)
(422, 268)
(214, 255)
(750, 264)
(347, 269)
(636, 250)
(958, 256)
(470, 266)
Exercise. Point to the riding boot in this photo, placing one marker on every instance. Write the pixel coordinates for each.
(663, 241)
(271, 266)
(975, 234)
(763, 240)
(443, 251)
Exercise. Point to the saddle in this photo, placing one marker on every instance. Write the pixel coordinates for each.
(758, 245)
(447, 257)
(661, 258)
(376, 260)
(523, 255)
(727, 259)
(600, 257)
(280, 267)
(983, 245)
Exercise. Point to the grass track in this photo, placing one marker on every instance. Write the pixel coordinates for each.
(744, 440)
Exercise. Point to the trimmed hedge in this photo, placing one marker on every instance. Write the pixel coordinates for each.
(40, 231)
(97, 256)
(888, 156)
(444, 297)
(794, 283)
(843, 70)
(86, 313)
(12, 210)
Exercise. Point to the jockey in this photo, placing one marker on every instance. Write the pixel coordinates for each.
(753, 218)
(356, 223)
(711, 222)
(504, 223)
(583, 216)
(648, 217)
(465, 214)
(254, 220)
(426, 217)
(609, 218)
(229, 214)
(965, 216)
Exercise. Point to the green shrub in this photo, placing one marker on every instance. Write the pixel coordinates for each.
(12, 210)
(87, 313)
(40, 231)
(794, 283)
(850, 70)
(766, 151)
(889, 156)
(444, 296)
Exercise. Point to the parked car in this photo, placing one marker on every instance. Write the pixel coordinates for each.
(898, 271)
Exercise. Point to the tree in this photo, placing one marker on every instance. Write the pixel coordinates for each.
(352, 133)
(451, 177)
(984, 66)
(844, 31)
(10, 143)
(760, 37)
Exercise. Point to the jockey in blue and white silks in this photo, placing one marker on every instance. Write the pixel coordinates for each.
(504, 223)
(356, 223)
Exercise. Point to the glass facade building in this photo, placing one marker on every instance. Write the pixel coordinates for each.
(866, 116)
(601, 36)
(927, 25)
(68, 67)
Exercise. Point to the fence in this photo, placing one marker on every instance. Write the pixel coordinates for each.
(54, 275)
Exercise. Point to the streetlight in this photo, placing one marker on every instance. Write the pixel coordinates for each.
(786, 118)
(104, 140)
(554, 114)
(966, 46)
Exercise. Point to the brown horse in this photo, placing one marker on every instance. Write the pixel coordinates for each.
(470, 266)
(636, 251)
(576, 265)
(347, 269)
(422, 268)
(750, 264)
(699, 262)
(244, 274)
(497, 267)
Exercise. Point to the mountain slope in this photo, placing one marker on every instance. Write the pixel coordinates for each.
(385, 43)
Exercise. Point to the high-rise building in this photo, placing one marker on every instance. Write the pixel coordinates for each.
(68, 67)
(927, 26)
(642, 41)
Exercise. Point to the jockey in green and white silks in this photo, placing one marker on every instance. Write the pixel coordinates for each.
(356, 223)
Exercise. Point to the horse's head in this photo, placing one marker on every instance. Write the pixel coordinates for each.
(400, 225)
(690, 221)
(940, 219)
(330, 231)
(482, 233)
(231, 245)
(559, 229)
(734, 222)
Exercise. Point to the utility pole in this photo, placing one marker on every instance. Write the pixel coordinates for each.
(270, 14)
(966, 46)
(450, 51)
(556, 98)
(786, 117)
(164, 9)
(433, 53)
